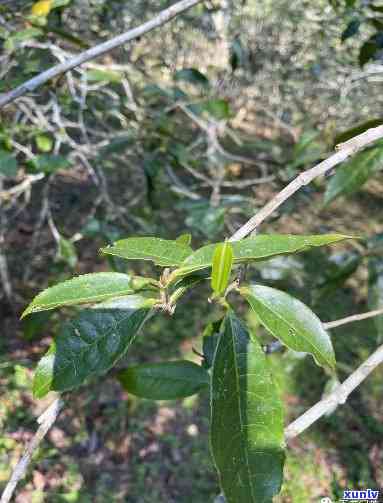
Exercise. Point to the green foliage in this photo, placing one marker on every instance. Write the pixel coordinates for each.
(44, 143)
(103, 76)
(245, 406)
(91, 344)
(8, 164)
(291, 321)
(363, 14)
(17, 38)
(184, 239)
(352, 175)
(85, 289)
(356, 130)
(66, 252)
(257, 248)
(192, 76)
(246, 418)
(221, 268)
(165, 380)
(161, 251)
(47, 163)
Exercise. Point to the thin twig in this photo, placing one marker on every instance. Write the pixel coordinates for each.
(337, 397)
(354, 317)
(46, 421)
(163, 17)
(345, 150)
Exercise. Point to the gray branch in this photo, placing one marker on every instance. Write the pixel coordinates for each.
(337, 397)
(46, 421)
(344, 150)
(92, 53)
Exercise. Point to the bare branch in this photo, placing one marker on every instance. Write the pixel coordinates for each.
(345, 150)
(46, 421)
(163, 17)
(337, 397)
(354, 317)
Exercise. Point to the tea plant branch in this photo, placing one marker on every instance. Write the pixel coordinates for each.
(354, 317)
(337, 397)
(344, 150)
(163, 17)
(46, 420)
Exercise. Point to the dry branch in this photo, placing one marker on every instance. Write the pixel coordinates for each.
(337, 397)
(163, 17)
(354, 317)
(46, 421)
(344, 150)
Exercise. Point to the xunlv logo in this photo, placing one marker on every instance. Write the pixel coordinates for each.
(365, 495)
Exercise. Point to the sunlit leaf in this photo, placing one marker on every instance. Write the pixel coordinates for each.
(85, 289)
(221, 268)
(246, 419)
(184, 239)
(162, 252)
(103, 76)
(260, 247)
(44, 143)
(41, 8)
(291, 321)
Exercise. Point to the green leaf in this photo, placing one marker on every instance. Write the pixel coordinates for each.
(260, 247)
(164, 381)
(192, 76)
(66, 252)
(207, 220)
(60, 3)
(8, 164)
(162, 252)
(33, 325)
(85, 289)
(368, 51)
(356, 130)
(91, 344)
(351, 29)
(103, 76)
(44, 143)
(184, 239)
(47, 163)
(351, 176)
(307, 150)
(211, 336)
(376, 8)
(291, 321)
(246, 419)
(16, 38)
(218, 108)
(221, 268)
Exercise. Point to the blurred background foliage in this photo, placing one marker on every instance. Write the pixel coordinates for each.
(191, 128)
